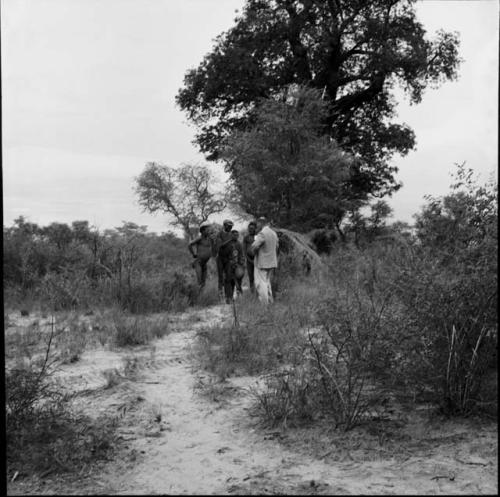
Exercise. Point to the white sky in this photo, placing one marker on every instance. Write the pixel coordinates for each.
(88, 90)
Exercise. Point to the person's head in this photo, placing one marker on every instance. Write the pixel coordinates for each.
(261, 222)
(204, 229)
(252, 226)
(227, 224)
(234, 234)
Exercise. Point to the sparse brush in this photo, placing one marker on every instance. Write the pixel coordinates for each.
(255, 342)
(449, 314)
(207, 296)
(214, 388)
(59, 440)
(72, 339)
(137, 330)
(112, 377)
(287, 397)
(44, 434)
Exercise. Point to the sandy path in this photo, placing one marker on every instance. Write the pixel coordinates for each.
(180, 442)
(206, 448)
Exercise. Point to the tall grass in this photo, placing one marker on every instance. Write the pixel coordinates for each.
(389, 317)
(130, 330)
(263, 337)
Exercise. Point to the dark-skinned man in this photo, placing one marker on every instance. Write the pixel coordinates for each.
(202, 248)
(249, 257)
(233, 267)
(223, 238)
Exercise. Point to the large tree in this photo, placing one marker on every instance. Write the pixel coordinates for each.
(354, 51)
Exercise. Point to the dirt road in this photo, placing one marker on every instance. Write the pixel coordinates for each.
(180, 442)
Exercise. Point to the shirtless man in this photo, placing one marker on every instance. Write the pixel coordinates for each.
(233, 267)
(249, 257)
(202, 253)
(223, 238)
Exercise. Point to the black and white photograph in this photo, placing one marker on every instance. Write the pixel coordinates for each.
(250, 247)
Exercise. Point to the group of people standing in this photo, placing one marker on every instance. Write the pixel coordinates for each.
(258, 255)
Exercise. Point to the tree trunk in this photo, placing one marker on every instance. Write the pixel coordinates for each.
(341, 233)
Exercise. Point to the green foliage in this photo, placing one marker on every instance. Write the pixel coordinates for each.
(464, 221)
(412, 317)
(283, 166)
(449, 290)
(288, 397)
(323, 240)
(186, 194)
(354, 52)
(367, 228)
(44, 434)
(140, 271)
(448, 331)
(255, 345)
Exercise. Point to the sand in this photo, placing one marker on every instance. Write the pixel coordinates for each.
(180, 441)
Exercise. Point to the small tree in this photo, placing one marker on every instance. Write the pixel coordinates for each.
(58, 233)
(185, 193)
(371, 226)
(285, 168)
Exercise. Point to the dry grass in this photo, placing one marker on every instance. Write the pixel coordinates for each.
(263, 338)
(137, 330)
(364, 340)
(44, 433)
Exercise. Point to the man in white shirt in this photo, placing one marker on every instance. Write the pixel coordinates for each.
(265, 248)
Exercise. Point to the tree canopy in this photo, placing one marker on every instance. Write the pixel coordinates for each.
(185, 193)
(284, 168)
(355, 52)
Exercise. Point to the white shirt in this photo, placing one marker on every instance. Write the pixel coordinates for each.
(265, 247)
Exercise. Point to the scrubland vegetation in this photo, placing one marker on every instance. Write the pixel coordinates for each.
(390, 315)
(411, 318)
(296, 102)
(77, 289)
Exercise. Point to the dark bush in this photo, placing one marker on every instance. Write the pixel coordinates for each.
(323, 240)
(44, 434)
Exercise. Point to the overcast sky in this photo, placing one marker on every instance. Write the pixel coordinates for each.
(88, 90)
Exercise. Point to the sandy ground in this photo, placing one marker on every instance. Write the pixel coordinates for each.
(179, 441)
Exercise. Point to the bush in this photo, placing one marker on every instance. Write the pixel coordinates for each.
(44, 434)
(288, 396)
(65, 268)
(336, 372)
(72, 339)
(450, 321)
(261, 338)
(323, 240)
(137, 330)
(449, 293)
(209, 294)
(315, 345)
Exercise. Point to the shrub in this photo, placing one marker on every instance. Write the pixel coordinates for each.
(333, 375)
(68, 268)
(44, 434)
(451, 313)
(288, 395)
(261, 338)
(209, 295)
(137, 330)
(323, 240)
(71, 336)
(449, 292)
